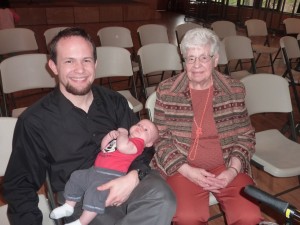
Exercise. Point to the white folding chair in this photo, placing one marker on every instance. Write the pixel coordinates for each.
(238, 49)
(154, 58)
(152, 33)
(291, 53)
(118, 37)
(7, 126)
(224, 28)
(115, 36)
(292, 26)
(24, 72)
(223, 61)
(17, 40)
(50, 33)
(150, 104)
(116, 62)
(258, 29)
(275, 153)
(181, 29)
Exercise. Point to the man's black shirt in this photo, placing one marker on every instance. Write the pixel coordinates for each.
(55, 135)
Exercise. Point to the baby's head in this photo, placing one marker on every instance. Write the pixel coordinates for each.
(146, 130)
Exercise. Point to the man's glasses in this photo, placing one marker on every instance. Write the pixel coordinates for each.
(202, 59)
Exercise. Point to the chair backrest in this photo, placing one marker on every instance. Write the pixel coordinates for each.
(292, 25)
(149, 105)
(222, 55)
(116, 62)
(24, 72)
(181, 29)
(159, 57)
(223, 61)
(290, 47)
(267, 93)
(256, 28)
(50, 33)
(224, 28)
(238, 47)
(113, 62)
(115, 36)
(7, 127)
(17, 40)
(152, 33)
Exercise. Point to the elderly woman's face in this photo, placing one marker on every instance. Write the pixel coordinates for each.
(200, 64)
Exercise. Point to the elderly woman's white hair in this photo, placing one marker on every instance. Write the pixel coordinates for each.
(200, 37)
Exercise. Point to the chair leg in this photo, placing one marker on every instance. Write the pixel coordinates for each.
(272, 65)
(257, 58)
(276, 56)
(51, 198)
(294, 90)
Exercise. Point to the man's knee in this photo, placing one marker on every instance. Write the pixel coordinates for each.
(155, 187)
(158, 184)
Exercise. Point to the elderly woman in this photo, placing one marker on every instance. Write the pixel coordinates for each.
(206, 138)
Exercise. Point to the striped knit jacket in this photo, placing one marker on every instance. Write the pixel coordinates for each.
(174, 117)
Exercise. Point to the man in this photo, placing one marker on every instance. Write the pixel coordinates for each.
(62, 133)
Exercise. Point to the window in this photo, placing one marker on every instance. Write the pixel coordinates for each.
(290, 6)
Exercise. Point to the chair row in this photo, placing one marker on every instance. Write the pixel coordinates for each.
(30, 71)
(165, 57)
(152, 58)
(23, 39)
(19, 40)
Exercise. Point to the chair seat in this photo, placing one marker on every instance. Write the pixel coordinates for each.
(150, 90)
(239, 74)
(296, 76)
(261, 49)
(283, 161)
(136, 105)
(212, 199)
(17, 112)
(43, 206)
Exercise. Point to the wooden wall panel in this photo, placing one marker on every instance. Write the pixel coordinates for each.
(60, 15)
(86, 14)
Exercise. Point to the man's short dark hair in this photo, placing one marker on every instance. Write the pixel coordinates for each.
(69, 32)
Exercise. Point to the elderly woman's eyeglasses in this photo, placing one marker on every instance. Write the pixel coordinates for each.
(202, 58)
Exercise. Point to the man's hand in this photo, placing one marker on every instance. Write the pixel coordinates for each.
(120, 188)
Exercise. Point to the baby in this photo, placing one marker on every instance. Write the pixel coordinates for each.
(118, 151)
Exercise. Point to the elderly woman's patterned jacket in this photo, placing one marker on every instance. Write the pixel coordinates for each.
(174, 117)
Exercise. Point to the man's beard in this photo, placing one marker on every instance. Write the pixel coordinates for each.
(75, 91)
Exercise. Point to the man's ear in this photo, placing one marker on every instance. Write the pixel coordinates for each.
(52, 66)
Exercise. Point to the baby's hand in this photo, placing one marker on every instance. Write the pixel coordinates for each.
(123, 131)
(114, 134)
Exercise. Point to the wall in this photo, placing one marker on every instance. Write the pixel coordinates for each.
(71, 12)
